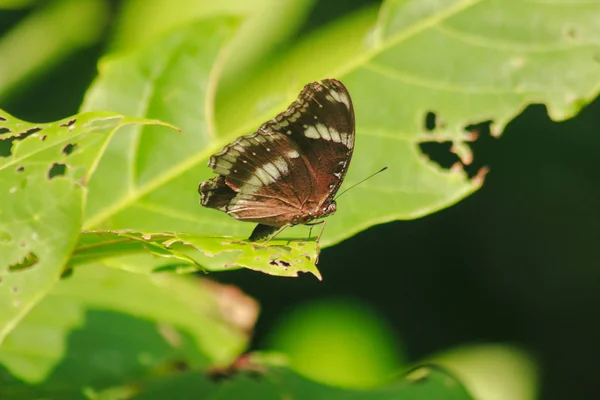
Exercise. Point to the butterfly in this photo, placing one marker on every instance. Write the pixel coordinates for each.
(288, 171)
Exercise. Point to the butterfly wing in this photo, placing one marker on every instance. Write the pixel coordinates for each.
(321, 123)
(261, 179)
(290, 165)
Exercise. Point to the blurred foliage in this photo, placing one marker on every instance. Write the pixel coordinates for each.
(338, 341)
(514, 262)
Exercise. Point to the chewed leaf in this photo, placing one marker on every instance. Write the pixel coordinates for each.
(182, 252)
(43, 187)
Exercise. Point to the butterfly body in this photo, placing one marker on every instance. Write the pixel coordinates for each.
(289, 170)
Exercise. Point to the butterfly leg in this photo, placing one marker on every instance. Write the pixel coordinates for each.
(322, 222)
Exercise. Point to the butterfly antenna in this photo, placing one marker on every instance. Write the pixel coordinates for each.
(359, 182)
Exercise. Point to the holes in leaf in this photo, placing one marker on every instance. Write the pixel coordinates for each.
(43, 138)
(4, 130)
(57, 169)
(29, 132)
(430, 121)
(68, 123)
(28, 261)
(20, 169)
(441, 153)
(281, 263)
(68, 149)
(5, 148)
(2, 118)
(452, 155)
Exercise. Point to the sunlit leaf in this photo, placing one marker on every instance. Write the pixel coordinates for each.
(182, 252)
(43, 187)
(465, 61)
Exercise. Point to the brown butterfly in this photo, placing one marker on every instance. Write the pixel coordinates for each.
(288, 171)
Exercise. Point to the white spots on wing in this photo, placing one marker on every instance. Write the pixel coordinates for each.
(253, 153)
(262, 138)
(221, 170)
(312, 133)
(340, 98)
(335, 136)
(228, 157)
(315, 117)
(230, 153)
(305, 126)
(253, 181)
(221, 163)
(292, 153)
(337, 174)
(346, 138)
(264, 176)
(281, 165)
(323, 131)
(288, 132)
(329, 98)
(272, 171)
(268, 149)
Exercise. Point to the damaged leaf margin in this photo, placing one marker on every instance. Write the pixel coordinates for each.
(144, 252)
(44, 170)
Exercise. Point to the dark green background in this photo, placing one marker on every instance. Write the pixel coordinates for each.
(516, 262)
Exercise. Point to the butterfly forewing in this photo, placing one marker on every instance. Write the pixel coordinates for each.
(321, 123)
(289, 170)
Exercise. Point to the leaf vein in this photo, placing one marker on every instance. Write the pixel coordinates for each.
(487, 42)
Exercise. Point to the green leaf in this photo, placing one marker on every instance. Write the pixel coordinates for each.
(102, 326)
(512, 54)
(43, 187)
(182, 253)
(467, 61)
(266, 24)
